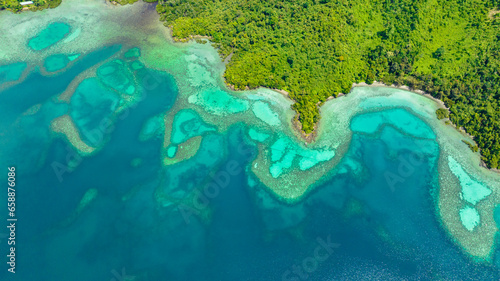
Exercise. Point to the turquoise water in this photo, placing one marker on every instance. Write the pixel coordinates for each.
(56, 62)
(33, 90)
(120, 213)
(11, 72)
(91, 103)
(49, 36)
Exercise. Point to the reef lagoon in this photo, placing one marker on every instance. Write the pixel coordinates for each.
(135, 162)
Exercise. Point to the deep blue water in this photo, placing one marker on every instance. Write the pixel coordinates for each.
(356, 226)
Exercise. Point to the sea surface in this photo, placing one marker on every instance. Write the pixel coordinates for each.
(135, 162)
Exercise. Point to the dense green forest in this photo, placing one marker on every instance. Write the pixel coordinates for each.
(317, 48)
(14, 5)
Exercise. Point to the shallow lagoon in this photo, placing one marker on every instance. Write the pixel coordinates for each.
(178, 178)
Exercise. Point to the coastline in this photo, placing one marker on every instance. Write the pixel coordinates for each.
(189, 38)
(400, 87)
(439, 102)
(345, 107)
(32, 7)
(312, 137)
(379, 84)
(295, 123)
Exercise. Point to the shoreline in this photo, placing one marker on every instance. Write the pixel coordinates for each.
(311, 138)
(438, 102)
(296, 125)
(400, 87)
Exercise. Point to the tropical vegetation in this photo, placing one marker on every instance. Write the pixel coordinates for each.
(315, 49)
(15, 6)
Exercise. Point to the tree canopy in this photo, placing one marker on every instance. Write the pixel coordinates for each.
(315, 49)
(15, 6)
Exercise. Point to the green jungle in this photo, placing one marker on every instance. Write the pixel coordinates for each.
(314, 49)
(15, 6)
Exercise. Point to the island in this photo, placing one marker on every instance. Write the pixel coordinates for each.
(317, 49)
(21, 5)
(155, 146)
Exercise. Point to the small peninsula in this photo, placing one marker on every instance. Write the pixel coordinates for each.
(314, 50)
(134, 160)
(317, 49)
(36, 5)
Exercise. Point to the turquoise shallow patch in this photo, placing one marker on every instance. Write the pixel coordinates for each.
(171, 151)
(472, 190)
(470, 218)
(136, 65)
(154, 126)
(91, 108)
(73, 57)
(257, 136)
(312, 157)
(56, 62)
(285, 163)
(278, 149)
(188, 124)
(284, 152)
(130, 90)
(403, 142)
(132, 53)
(49, 36)
(496, 215)
(408, 123)
(12, 72)
(73, 35)
(264, 112)
(118, 76)
(219, 102)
